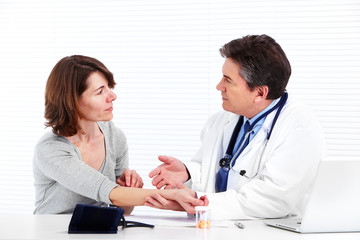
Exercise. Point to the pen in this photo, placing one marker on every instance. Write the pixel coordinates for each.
(239, 225)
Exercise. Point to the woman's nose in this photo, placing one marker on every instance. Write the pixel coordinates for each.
(111, 96)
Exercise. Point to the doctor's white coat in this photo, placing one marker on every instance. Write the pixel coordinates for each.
(284, 170)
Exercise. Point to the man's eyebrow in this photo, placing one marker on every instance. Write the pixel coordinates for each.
(227, 77)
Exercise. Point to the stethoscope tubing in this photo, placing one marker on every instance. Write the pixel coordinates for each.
(236, 155)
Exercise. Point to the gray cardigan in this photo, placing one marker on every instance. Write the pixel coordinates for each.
(62, 179)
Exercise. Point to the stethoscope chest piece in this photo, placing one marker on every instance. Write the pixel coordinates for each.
(227, 160)
(223, 162)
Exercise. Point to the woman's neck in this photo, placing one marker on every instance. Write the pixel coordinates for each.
(89, 130)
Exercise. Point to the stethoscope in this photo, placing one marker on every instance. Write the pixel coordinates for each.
(227, 162)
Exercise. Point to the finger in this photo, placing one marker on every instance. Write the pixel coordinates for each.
(153, 202)
(196, 202)
(193, 200)
(156, 180)
(134, 178)
(139, 183)
(163, 201)
(155, 172)
(118, 181)
(205, 200)
(161, 184)
(169, 186)
(133, 182)
(189, 209)
(127, 175)
(148, 204)
(121, 183)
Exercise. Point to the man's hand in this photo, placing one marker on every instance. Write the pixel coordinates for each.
(182, 199)
(130, 178)
(158, 201)
(169, 174)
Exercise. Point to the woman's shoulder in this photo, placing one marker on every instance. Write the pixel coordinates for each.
(51, 145)
(51, 139)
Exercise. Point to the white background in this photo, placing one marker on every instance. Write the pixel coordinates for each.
(165, 59)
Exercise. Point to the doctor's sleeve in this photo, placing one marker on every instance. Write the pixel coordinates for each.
(194, 166)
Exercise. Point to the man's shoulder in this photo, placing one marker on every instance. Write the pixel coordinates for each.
(221, 117)
(296, 107)
(298, 114)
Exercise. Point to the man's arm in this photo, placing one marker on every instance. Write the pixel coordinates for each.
(170, 174)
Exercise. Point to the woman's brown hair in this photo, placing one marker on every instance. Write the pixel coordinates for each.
(66, 83)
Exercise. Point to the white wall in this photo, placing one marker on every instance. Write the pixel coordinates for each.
(164, 55)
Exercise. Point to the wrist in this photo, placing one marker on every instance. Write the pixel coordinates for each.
(169, 193)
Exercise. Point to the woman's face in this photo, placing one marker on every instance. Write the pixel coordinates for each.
(96, 101)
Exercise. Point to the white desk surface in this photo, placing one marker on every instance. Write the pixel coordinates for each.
(168, 226)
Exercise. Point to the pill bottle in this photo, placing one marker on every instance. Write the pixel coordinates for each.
(202, 216)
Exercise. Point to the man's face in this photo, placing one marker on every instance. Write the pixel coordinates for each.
(236, 95)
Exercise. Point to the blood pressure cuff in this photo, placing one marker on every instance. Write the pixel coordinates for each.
(95, 219)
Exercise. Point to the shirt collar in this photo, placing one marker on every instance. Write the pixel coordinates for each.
(263, 111)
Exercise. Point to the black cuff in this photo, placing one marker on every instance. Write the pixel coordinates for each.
(187, 170)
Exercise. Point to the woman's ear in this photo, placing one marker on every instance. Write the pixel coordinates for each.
(261, 93)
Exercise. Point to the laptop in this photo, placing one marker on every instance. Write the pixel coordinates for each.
(334, 202)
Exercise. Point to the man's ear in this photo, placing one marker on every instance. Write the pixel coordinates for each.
(261, 93)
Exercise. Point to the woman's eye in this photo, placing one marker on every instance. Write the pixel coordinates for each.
(100, 92)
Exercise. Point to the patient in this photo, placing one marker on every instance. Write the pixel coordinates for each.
(84, 159)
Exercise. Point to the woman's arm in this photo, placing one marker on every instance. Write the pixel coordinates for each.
(127, 196)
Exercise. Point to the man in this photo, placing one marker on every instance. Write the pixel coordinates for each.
(258, 158)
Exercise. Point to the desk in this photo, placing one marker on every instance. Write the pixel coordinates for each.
(167, 227)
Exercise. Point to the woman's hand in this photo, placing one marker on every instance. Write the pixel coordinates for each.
(130, 178)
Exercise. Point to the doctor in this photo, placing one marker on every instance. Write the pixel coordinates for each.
(259, 156)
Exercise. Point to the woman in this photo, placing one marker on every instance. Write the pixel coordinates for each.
(85, 157)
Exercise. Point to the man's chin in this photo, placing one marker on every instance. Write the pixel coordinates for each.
(226, 107)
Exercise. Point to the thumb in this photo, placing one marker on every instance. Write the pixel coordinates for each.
(165, 159)
(157, 170)
(195, 201)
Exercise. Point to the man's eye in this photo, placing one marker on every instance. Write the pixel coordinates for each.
(100, 92)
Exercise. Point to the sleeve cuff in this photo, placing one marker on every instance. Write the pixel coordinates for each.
(106, 187)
